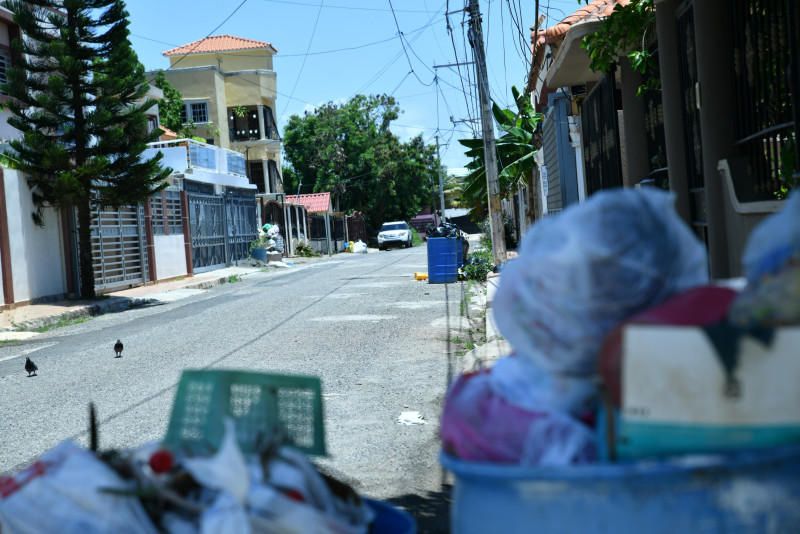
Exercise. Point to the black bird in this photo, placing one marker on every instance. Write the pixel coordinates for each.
(30, 367)
(118, 349)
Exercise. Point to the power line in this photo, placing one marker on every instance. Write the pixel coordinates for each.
(209, 34)
(400, 33)
(311, 40)
(344, 7)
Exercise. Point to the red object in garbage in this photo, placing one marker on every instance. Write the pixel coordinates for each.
(161, 461)
(699, 306)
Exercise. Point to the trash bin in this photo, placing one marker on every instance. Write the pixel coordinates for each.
(390, 520)
(259, 253)
(442, 260)
(460, 253)
(747, 492)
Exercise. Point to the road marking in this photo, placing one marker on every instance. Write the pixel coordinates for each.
(28, 351)
(352, 318)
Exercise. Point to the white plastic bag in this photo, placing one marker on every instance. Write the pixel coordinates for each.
(773, 242)
(580, 273)
(61, 493)
(359, 247)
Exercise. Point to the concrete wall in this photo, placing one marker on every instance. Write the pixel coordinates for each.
(37, 256)
(170, 256)
(229, 61)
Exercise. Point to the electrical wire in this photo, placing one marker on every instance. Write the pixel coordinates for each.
(209, 34)
(400, 33)
(311, 40)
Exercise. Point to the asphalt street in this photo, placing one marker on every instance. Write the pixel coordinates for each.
(376, 337)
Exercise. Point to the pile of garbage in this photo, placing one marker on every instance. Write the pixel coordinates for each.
(358, 247)
(623, 257)
(446, 229)
(225, 466)
(269, 237)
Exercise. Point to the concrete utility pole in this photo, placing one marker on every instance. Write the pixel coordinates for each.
(441, 185)
(489, 150)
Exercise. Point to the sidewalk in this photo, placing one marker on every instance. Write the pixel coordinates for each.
(495, 346)
(22, 322)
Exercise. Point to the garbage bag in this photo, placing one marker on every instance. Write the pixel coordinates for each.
(61, 493)
(579, 274)
(771, 264)
(359, 247)
(774, 242)
(480, 425)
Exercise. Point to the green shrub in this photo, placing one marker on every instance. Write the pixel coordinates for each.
(302, 249)
(478, 268)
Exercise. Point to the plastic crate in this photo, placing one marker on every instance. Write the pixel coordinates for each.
(259, 404)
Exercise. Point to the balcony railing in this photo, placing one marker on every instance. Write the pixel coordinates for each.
(183, 154)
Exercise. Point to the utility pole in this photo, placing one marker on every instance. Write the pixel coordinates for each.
(441, 185)
(489, 150)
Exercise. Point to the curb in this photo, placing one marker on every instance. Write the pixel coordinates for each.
(113, 304)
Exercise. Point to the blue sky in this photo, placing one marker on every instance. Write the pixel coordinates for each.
(331, 50)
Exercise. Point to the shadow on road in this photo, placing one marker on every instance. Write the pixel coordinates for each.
(431, 510)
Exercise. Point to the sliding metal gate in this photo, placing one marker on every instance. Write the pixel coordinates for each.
(222, 226)
(207, 221)
(118, 247)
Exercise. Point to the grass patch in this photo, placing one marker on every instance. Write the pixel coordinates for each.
(9, 342)
(470, 345)
(62, 323)
(232, 279)
(416, 239)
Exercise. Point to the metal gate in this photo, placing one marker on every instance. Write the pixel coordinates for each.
(207, 222)
(601, 157)
(118, 252)
(692, 137)
(222, 227)
(241, 221)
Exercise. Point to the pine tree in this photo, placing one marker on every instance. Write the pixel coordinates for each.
(79, 104)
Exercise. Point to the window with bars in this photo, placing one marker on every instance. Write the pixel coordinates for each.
(166, 210)
(5, 64)
(199, 111)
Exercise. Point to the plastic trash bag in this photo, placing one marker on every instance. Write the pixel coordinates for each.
(359, 247)
(579, 274)
(774, 242)
(61, 493)
(480, 425)
(771, 263)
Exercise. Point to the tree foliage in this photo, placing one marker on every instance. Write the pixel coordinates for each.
(170, 107)
(515, 152)
(348, 149)
(625, 31)
(79, 104)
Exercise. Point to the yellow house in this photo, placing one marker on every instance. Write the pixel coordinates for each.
(229, 88)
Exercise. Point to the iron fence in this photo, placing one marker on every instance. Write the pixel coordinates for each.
(761, 55)
(602, 160)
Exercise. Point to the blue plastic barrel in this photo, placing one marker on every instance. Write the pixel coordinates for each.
(460, 253)
(259, 253)
(748, 492)
(390, 520)
(442, 260)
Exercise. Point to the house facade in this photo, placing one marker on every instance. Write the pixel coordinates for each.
(719, 132)
(229, 89)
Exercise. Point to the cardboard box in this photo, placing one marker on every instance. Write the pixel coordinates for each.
(678, 398)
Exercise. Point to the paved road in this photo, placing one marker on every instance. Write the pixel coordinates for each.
(374, 335)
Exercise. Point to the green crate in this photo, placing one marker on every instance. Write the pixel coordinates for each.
(258, 403)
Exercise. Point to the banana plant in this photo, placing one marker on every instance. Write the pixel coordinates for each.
(515, 152)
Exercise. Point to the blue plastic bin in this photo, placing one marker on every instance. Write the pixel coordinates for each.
(390, 520)
(259, 253)
(460, 253)
(749, 492)
(442, 260)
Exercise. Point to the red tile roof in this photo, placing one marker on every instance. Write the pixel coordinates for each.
(218, 43)
(594, 10)
(315, 202)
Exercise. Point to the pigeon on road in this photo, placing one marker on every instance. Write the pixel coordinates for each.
(30, 367)
(118, 349)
